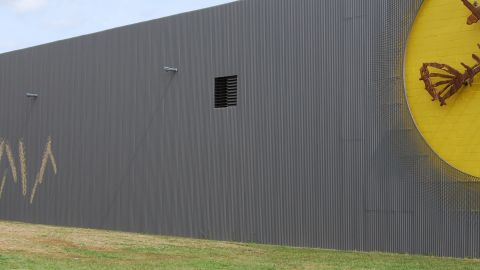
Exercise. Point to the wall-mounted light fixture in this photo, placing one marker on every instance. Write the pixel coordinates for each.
(31, 95)
(170, 69)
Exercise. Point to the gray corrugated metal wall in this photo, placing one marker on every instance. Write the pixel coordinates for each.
(320, 151)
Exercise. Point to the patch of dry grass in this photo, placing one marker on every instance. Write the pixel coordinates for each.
(26, 246)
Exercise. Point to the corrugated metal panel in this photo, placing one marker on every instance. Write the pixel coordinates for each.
(321, 150)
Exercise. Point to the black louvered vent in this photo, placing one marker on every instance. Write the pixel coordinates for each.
(226, 91)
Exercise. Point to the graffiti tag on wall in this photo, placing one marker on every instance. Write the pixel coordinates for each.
(47, 158)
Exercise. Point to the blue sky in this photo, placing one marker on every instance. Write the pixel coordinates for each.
(26, 23)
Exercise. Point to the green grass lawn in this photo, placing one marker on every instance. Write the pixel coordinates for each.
(25, 246)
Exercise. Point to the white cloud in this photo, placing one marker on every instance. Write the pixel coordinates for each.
(23, 6)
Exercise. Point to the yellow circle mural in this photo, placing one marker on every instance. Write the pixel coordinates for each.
(442, 38)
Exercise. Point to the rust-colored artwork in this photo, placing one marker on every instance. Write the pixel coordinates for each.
(444, 81)
(475, 9)
(47, 158)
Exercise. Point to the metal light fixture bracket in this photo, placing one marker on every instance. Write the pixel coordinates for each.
(170, 69)
(31, 95)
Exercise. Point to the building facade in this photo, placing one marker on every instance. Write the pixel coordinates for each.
(286, 123)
